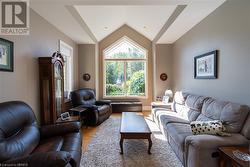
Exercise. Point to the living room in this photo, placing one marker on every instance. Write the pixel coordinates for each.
(168, 62)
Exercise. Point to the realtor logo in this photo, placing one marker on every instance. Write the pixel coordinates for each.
(14, 17)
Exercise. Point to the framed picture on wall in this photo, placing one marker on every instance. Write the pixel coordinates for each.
(205, 65)
(6, 55)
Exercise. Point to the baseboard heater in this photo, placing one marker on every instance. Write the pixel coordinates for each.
(126, 106)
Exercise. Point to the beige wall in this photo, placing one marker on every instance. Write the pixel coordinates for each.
(228, 30)
(23, 83)
(163, 65)
(138, 38)
(86, 64)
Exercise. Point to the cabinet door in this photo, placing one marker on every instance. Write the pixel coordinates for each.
(58, 77)
(46, 118)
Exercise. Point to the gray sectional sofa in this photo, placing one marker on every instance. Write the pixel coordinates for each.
(201, 150)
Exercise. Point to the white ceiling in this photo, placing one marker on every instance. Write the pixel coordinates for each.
(145, 16)
(148, 20)
(60, 17)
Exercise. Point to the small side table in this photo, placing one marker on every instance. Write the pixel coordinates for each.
(71, 119)
(80, 112)
(227, 156)
(160, 104)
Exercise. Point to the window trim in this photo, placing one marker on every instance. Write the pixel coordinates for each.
(65, 45)
(125, 38)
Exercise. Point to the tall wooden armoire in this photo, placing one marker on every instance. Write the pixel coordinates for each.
(51, 88)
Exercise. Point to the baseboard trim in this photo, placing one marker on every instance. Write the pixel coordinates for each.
(146, 108)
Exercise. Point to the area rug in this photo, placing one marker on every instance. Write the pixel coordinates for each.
(104, 149)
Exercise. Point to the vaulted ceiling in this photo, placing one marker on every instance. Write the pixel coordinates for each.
(89, 21)
(103, 20)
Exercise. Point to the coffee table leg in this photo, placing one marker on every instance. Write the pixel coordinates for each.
(149, 145)
(121, 145)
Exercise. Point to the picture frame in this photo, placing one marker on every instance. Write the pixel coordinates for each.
(6, 55)
(205, 65)
(65, 116)
(165, 99)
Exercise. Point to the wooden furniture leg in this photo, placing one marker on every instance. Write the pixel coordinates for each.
(149, 145)
(121, 145)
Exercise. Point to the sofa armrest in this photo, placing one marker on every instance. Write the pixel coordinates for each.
(41, 159)
(203, 149)
(89, 106)
(213, 141)
(103, 102)
(59, 129)
(161, 105)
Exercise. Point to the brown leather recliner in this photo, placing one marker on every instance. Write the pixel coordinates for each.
(23, 142)
(98, 111)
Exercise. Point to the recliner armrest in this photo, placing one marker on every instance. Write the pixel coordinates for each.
(41, 159)
(59, 129)
(203, 149)
(213, 141)
(103, 102)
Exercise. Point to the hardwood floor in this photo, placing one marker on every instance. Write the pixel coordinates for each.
(89, 132)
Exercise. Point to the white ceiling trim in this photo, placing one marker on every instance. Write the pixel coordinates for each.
(76, 15)
(170, 20)
(192, 15)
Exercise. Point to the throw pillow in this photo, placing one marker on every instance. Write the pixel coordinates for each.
(208, 127)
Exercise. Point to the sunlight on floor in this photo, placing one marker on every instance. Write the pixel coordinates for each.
(154, 128)
(89, 132)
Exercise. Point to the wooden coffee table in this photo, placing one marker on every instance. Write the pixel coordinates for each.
(133, 126)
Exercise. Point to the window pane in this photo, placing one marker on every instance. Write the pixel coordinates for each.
(135, 78)
(65, 73)
(125, 50)
(115, 78)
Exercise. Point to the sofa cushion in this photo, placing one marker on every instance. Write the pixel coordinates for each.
(72, 142)
(179, 101)
(179, 108)
(50, 144)
(212, 108)
(158, 112)
(172, 117)
(177, 133)
(202, 117)
(195, 102)
(180, 97)
(231, 114)
(192, 115)
(192, 107)
(246, 128)
(163, 116)
(234, 116)
(68, 142)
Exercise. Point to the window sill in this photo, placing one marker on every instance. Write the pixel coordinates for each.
(123, 98)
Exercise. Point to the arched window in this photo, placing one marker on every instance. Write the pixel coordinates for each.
(125, 69)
